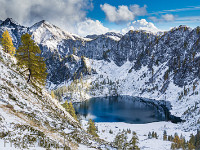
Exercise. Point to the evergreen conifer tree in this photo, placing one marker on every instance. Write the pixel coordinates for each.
(121, 140)
(173, 147)
(28, 55)
(197, 140)
(190, 146)
(149, 135)
(182, 142)
(153, 134)
(164, 135)
(134, 142)
(170, 138)
(156, 135)
(66, 106)
(192, 139)
(7, 43)
(176, 141)
(52, 94)
(92, 128)
(71, 110)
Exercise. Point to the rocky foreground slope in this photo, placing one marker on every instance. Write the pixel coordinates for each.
(29, 117)
(139, 63)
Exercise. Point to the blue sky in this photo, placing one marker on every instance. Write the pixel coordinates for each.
(185, 12)
(85, 17)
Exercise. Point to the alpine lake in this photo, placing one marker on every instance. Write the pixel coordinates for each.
(127, 109)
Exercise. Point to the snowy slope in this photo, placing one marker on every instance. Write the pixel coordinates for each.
(47, 34)
(29, 116)
(142, 131)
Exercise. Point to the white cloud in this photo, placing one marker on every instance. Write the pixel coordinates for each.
(141, 25)
(154, 19)
(89, 27)
(168, 17)
(188, 19)
(138, 11)
(64, 13)
(123, 13)
(177, 10)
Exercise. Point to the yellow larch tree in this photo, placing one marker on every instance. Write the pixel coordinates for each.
(7, 43)
(28, 55)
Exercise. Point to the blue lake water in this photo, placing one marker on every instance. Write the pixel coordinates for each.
(121, 109)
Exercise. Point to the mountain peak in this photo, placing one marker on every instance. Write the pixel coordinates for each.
(42, 23)
(10, 22)
(44, 31)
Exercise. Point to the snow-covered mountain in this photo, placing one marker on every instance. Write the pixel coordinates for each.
(163, 66)
(50, 35)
